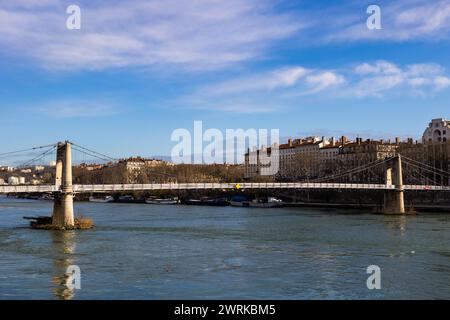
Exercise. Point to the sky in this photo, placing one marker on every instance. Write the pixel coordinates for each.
(138, 70)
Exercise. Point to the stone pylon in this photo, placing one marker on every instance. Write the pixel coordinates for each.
(394, 202)
(63, 206)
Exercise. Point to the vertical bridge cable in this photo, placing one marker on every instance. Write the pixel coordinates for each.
(434, 171)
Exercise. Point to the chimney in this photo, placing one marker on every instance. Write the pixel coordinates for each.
(290, 142)
(397, 140)
(333, 141)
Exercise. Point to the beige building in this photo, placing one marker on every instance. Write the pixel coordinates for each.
(134, 167)
(253, 163)
(438, 131)
(314, 157)
(300, 157)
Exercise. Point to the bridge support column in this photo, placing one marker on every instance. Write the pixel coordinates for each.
(57, 204)
(394, 202)
(63, 208)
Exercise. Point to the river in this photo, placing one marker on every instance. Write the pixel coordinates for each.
(139, 251)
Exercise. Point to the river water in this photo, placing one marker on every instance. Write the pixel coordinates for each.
(139, 251)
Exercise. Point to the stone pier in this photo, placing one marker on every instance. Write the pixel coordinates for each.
(394, 202)
(63, 206)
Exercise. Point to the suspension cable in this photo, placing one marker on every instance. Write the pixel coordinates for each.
(104, 156)
(428, 170)
(39, 157)
(355, 170)
(91, 154)
(425, 165)
(4, 154)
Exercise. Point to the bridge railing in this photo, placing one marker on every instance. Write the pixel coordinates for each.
(28, 189)
(218, 186)
(103, 188)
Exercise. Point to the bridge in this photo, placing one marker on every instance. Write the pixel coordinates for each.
(108, 188)
(64, 189)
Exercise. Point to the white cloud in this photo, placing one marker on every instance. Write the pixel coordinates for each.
(379, 67)
(76, 108)
(265, 81)
(442, 82)
(287, 87)
(198, 34)
(402, 20)
(262, 92)
(324, 80)
(381, 76)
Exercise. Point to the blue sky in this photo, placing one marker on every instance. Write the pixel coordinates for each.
(137, 70)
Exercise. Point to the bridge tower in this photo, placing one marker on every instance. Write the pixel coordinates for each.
(394, 202)
(63, 206)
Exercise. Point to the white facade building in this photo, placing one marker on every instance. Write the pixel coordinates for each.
(438, 131)
(13, 180)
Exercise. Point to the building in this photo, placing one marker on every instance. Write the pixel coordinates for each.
(2, 181)
(7, 169)
(35, 181)
(329, 155)
(135, 166)
(313, 157)
(13, 180)
(299, 158)
(360, 153)
(252, 161)
(434, 155)
(438, 131)
(39, 168)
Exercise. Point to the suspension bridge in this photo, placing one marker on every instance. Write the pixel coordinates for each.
(64, 190)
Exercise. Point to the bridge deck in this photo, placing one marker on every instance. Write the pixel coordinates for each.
(104, 188)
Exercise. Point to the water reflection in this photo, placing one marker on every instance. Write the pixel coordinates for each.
(398, 224)
(63, 248)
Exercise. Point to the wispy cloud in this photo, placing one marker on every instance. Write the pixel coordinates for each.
(199, 34)
(380, 77)
(261, 92)
(324, 80)
(402, 20)
(283, 88)
(76, 108)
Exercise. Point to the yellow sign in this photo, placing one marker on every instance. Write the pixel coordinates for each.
(238, 186)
